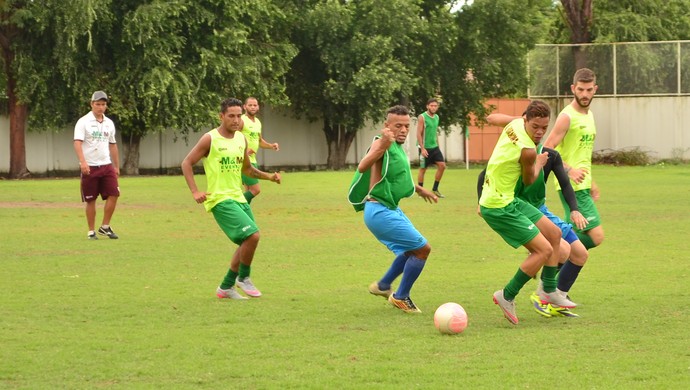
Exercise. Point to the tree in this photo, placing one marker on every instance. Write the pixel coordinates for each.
(165, 64)
(578, 17)
(358, 58)
(168, 64)
(38, 41)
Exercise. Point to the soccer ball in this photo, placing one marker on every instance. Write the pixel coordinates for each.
(450, 318)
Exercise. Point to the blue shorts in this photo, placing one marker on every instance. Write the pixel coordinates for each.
(566, 229)
(392, 228)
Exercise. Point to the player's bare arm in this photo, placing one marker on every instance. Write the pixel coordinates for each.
(249, 170)
(199, 151)
(498, 119)
(420, 135)
(558, 132)
(83, 165)
(268, 145)
(531, 163)
(115, 157)
(427, 195)
(377, 149)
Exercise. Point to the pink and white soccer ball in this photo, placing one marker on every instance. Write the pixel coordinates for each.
(450, 318)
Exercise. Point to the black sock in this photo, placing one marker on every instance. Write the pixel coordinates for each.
(568, 275)
(436, 186)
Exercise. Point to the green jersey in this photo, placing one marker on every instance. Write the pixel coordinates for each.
(535, 193)
(430, 130)
(577, 145)
(252, 131)
(396, 181)
(504, 169)
(223, 168)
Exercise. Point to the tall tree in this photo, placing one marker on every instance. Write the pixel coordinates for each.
(38, 42)
(357, 58)
(579, 18)
(167, 64)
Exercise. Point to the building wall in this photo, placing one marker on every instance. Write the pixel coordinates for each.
(660, 125)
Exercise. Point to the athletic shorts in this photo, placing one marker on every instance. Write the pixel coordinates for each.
(250, 181)
(435, 156)
(515, 223)
(566, 229)
(587, 208)
(101, 181)
(235, 220)
(392, 228)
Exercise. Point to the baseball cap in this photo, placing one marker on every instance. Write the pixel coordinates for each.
(99, 95)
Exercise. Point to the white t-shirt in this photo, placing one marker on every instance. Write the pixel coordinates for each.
(97, 137)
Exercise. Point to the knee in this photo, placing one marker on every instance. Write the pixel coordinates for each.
(423, 252)
(253, 239)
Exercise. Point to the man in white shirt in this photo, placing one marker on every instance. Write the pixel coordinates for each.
(99, 162)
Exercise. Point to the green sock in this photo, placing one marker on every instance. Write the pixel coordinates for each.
(229, 280)
(249, 196)
(244, 271)
(548, 278)
(586, 240)
(513, 287)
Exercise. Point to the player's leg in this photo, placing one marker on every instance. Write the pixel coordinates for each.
(91, 217)
(251, 185)
(394, 229)
(89, 194)
(237, 222)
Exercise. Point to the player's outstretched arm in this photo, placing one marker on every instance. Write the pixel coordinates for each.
(498, 119)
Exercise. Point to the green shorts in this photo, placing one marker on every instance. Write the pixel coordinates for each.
(250, 181)
(515, 223)
(587, 208)
(235, 220)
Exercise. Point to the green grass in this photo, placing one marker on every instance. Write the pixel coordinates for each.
(140, 312)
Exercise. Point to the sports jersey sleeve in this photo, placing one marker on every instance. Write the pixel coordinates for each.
(480, 183)
(563, 179)
(79, 131)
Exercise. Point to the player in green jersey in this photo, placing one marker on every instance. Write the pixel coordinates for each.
(382, 179)
(427, 141)
(252, 129)
(224, 151)
(515, 220)
(573, 137)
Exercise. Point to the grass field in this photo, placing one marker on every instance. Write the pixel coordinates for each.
(140, 312)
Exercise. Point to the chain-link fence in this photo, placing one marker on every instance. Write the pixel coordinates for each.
(622, 69)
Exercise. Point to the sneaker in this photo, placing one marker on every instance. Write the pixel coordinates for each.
(556, 298)
(248, 287)
(539, 307)
(541, 293)
(556, 311)
(107, 232)
(230, 293)
(92, 236)
(375, 290)
(440, 195)
(507, 306)
(404, 304)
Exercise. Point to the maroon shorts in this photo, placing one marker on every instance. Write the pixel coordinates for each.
(102, 181)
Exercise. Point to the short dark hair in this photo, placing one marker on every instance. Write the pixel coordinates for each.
(249, 98)
(537, 109)
(398, 110)
(432, 100)
(584, 75)
(231, 102)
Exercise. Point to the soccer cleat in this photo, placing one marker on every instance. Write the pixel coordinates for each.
(92, 236)
(375, 290)
(556, 311)
(404, 304)
(539, 307)
(107, 232)
(230, 293)
(440, 195)
(508, 307)
(556, 298)
(248, 287)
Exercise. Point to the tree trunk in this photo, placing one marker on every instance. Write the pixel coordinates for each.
(130, 148)
(578, 17)
(339, 141)
(18, 114)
